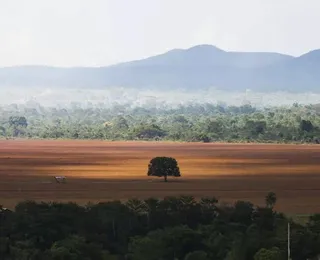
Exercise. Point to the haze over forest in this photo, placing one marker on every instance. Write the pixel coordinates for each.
(200, 74)
(96, 57)
(135, 98)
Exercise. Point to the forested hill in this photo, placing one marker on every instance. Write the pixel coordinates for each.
(194, 68)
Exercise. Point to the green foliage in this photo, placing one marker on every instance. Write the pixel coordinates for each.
(197, 255)
(170, 243)
(169, 228)
(191, 123)
(269, 254)
(76, 248)
(271, 199)
(148, 132)
(306, 125)
(163, 167)
(16, 121)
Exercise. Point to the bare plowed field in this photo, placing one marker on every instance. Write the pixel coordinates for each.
(98, 171)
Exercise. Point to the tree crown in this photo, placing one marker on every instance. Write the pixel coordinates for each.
(163, 166)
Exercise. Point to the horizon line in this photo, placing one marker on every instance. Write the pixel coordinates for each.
(155, 55)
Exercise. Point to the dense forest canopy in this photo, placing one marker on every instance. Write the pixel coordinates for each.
(193, 122)
(172, 228)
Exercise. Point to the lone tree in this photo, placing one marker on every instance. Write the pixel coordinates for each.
(163, 167)
(271, 199)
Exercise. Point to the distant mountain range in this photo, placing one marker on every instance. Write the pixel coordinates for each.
(195, 68)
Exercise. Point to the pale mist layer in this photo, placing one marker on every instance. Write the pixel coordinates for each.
(49, 97)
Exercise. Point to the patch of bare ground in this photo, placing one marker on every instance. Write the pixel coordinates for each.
(98, 170)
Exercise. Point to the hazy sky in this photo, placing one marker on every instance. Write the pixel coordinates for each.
(103, 32)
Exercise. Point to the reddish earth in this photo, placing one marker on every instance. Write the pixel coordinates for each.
(99, 171)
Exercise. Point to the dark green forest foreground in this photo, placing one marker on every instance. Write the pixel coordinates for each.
(206, 123)
(152, 229)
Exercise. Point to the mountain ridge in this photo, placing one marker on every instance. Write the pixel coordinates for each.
(197, 67)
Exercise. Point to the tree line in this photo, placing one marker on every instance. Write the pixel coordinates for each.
(190, 123)
(172, 228)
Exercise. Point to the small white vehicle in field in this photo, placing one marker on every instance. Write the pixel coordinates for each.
(60, 179)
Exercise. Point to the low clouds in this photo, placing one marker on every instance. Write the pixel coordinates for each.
(103, 32)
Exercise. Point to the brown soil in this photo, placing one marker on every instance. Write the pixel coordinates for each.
(98, 171)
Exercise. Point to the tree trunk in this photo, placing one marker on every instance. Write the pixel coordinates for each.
(165, 178)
